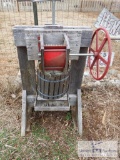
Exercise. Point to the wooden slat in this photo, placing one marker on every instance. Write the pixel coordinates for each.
(65, 85)
(51, 108)
(56, 86)
(46, 87)
(61, 85)
(38, 81)
(44, 6)
(93, 5)
(51, 88)
(42, 84)
(27, 69)
(23, 0)
(77, 70)
(64, 98)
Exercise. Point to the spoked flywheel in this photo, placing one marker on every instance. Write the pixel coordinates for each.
(101, 49)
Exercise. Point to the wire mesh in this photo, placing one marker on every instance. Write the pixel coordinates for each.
(68, 12)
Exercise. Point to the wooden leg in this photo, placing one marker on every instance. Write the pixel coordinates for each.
(29, 112)
(74, 116)
(76, 111)
(24, 113)
(79, 113)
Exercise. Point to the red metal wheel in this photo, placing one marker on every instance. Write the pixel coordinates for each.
(101, 43)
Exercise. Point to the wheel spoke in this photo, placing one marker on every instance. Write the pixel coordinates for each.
(103, 60)
(92, 50)
(102, 45)
(91, 67)
(97, 68)
(96, 40)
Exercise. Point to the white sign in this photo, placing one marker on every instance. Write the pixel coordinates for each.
(105, 56)
(97, 149)
(108, 21)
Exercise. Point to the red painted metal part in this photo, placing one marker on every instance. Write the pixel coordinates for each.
(54, 57)
(97, 54)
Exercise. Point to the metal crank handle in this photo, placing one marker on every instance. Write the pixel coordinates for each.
(82, 54)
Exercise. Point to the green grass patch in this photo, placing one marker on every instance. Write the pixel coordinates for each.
(38, 144)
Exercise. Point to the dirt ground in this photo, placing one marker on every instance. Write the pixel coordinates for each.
(52, 135)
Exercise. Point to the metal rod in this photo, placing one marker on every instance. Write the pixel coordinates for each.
(55, 50)
(82, 54)
(53, 12)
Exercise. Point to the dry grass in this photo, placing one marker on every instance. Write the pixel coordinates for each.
(101, 113)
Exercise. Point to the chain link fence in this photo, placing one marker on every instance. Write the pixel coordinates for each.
(72, 13)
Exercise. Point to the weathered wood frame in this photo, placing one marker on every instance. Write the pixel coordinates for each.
(76, 106)
(23, 36)
(26, 41)
(28, 36)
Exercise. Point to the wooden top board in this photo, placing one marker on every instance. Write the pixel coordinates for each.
(28, 36)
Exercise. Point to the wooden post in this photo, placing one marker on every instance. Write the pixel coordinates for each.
(77, 71)
(27, 69)
(79, 112)
(76, 75)
(111, 6)
(81, 6)
(24, 113)
(76, 111)
(18, 6)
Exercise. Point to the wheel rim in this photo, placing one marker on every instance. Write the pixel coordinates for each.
(94, 64)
